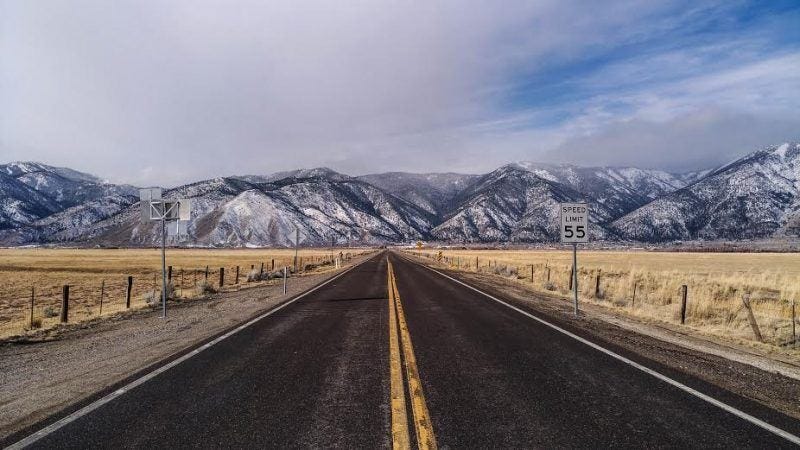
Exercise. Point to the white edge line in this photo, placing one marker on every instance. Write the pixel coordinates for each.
(32, 438)
(741, 414)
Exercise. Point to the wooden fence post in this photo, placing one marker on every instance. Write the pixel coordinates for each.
(751, 318)
(169, 274)
(633, 302)
(206, 273)
(683, 303)
(548, 274)
(794, 319)
(571, 275)
(33, 295)
(221, 276)
(237, 274)
(531, 273)
(181, 281)
(597, 285)
(102, 292)
(128, 290)
(273, 265)
(65, 303)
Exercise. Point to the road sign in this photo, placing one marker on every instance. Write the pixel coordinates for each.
(185, 211)
(574, 223)
(178, 228)
(149, 194)
(176, 212)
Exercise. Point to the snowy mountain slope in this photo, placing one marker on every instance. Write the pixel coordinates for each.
(620, 189)
(513, 204)
(65, 186)
(432, 192)
(40, 202)
(756, 196)
(20, 204)
(325, 206)
(317, 172)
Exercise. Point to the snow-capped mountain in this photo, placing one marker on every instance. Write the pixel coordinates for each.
(322, 204)
(433, 192)
(38, 201)
(756, 196)
(514, 204)
(620, 189)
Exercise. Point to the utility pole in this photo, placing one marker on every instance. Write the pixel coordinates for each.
(296, 243)
(163, 267)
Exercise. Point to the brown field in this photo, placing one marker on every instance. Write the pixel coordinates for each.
(85, 271)
(716, 283)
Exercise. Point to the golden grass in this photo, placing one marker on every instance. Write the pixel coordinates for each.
(85, 270)
(716, 283)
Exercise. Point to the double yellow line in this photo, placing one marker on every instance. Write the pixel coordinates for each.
(400, 341)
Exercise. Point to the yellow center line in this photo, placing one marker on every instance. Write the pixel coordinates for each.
(400, 436)
(426, 440)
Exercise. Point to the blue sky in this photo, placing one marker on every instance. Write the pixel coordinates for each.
(154, 92)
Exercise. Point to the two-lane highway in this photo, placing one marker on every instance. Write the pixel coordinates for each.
(392, 353)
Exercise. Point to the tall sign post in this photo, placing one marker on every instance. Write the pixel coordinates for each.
(176, 212)
(574, 230)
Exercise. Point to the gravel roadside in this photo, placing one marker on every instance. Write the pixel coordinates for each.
(52, 371)
(771, 380)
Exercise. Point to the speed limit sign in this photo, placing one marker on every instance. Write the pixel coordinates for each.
(574, 223)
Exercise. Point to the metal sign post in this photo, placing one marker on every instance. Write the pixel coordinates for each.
(574, 230)
(155, 208)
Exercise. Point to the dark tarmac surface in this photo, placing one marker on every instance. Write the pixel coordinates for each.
(316, 374)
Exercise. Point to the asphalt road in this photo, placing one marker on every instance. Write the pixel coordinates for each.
(316, 374)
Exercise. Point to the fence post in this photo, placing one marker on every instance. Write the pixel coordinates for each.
(548, 274)
(221, 276)
(284, 279)
(65, 303)
(571, 276)
(128, 290)
(102, 292)
(751, 318)
(633, 302)
(794, 332)
(683, 303)
(531, 273)
(33, 294)
(477, 267)
(237, 274)
(273, 265)
(206, 273)
(169, 274)
(181, 281)
(597, 285)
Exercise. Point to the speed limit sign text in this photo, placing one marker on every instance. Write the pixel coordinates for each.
(574, 223)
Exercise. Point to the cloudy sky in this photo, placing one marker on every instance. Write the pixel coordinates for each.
(164, 92)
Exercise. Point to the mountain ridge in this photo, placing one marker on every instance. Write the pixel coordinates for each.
(516, 202)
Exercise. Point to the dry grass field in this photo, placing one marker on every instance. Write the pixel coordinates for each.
(716, 283)
(90, 272)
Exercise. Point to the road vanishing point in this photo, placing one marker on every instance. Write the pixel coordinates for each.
(394, 354)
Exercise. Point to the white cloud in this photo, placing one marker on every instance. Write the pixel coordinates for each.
(166, 92)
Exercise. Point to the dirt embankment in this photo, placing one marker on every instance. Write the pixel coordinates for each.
(49, 371)
(753, 372)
